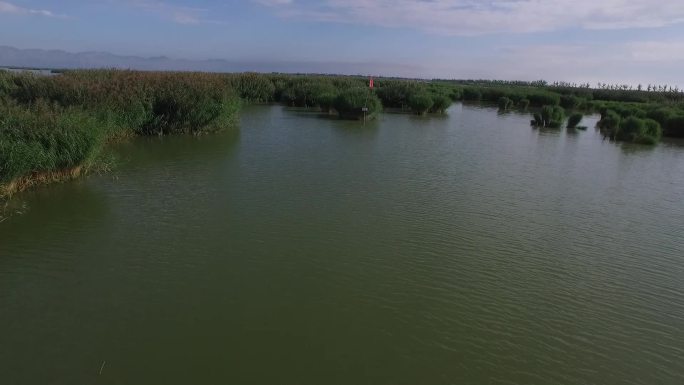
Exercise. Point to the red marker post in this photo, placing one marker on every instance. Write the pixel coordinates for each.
(365, 107)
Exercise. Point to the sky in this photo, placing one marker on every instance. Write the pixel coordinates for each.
(615, 41)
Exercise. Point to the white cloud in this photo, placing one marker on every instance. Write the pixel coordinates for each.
(476, 17)
(10, 8)
(176, 13)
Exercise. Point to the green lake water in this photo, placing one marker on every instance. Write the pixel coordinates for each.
(297, 249)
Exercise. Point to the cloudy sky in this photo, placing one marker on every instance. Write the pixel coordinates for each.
(627, 41)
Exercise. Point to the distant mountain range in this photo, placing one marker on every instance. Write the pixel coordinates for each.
(56, 59)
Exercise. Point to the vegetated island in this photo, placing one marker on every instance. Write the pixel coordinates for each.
(55, 127)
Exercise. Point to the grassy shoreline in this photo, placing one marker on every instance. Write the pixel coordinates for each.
(55, 128)
(25, 182)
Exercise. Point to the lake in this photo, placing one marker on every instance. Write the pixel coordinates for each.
(299, 249)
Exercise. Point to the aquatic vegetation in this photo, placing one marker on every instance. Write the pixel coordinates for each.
(674, 125)
(145, 102)
(574, 120)
(44, 138)
(326, 101)
(505, 103)
(537, 121)
(52, 128)
(349, 104)
(440, 103)
(396, 94)
(542, 98)
(570, 102)
(524, 104)
(59, 123)
(418, 97)
(636, 130)
(610, 121)
(254, 87)
(471, 94)
(550, 117)
(420, 103)
(306, 92)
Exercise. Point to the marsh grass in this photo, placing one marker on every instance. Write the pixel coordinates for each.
(349, 104)
(575, 119)
(53, 128)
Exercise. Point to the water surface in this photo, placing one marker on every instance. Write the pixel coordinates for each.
(466, 249)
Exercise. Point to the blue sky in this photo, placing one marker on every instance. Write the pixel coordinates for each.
(627, 41)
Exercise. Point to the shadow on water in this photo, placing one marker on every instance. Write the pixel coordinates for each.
(395, 111)
(501, 112)
(368, 129)
(146, 151)
(130, 157)
(11, 207)
(573, 131)
(77, 203)
(546, 131)
(313, 113)
(635, 148)
(428, 117)
(304, 112)
(673, 142)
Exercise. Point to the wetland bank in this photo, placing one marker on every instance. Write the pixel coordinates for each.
(55, 127)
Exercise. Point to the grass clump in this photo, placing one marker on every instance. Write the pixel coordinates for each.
(46, 138)
(349, 104)
(636, 130)
(575, 119)
(549, 117)
(524, 104)
(440, 103)
(54, 127)
(630, 129)
(421, 103)
(505, 103)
